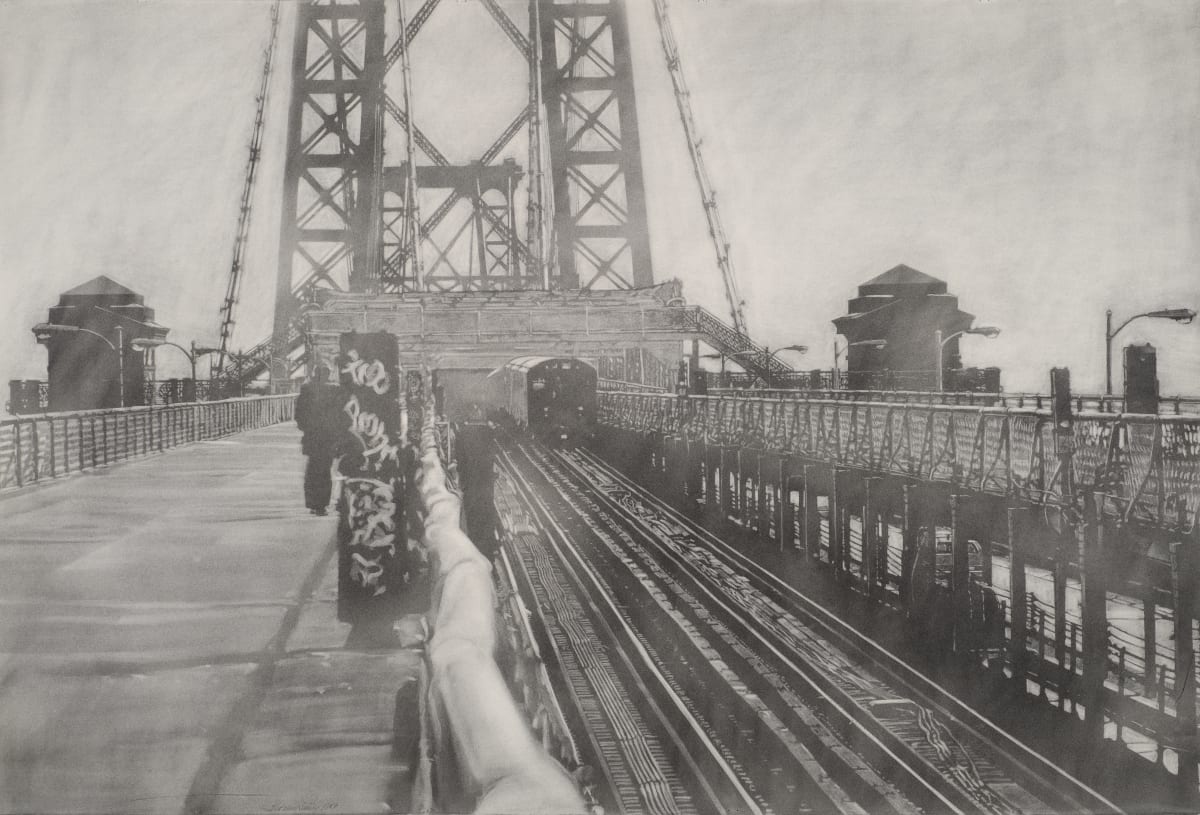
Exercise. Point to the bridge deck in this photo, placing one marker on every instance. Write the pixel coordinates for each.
(168, 642)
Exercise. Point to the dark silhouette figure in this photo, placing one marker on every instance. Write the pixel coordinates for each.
(318, 416)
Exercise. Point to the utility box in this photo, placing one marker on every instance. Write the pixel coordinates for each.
(1141, 379)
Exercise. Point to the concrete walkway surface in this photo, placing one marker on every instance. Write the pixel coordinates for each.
(169, 644)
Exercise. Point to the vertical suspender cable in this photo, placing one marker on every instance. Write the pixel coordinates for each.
(242, 233)
(412, 208)
(708, 196)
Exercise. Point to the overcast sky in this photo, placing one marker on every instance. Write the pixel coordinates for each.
(1041, 157)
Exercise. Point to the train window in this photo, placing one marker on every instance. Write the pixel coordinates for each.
(538, 384)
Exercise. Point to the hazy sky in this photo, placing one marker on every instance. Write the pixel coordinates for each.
(1041, 157)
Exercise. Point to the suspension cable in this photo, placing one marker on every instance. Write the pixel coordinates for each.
(412, 208)
(708, 195)
(242, 234)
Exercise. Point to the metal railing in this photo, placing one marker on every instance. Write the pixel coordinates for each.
(40, 447)
(1148, 465)
(1081, 403)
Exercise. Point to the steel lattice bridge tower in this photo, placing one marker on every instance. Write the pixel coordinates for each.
(348, 208)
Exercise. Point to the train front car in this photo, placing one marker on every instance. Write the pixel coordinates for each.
(555, 397)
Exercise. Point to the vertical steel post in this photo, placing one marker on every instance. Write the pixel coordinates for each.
(1093, 570)
(1017, 656)
(785, 515)
(812, 514)
(835, 522)
(960, 576)
(1183, 592)
(870, 535)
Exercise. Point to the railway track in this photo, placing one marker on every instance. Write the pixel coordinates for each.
(729, 691)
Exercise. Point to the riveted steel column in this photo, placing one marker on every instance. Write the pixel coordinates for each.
(1183, 593)
(1018, 656)
(870, 535)
(1093, 570)
(812, 513)
(785, 514)
(960, 576)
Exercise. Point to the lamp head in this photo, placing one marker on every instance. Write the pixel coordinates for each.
(991, 332)
(145, 343)
(42, 332)
(1179, 315)
(205, 349)
(803, 349)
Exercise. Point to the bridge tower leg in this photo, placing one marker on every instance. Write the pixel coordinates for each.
(595, 150)
(334, 161)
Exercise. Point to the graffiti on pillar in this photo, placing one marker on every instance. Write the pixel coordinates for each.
(375, 468)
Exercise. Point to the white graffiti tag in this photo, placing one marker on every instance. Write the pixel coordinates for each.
(367, 374)
(372, 514)
(366, 573)
(371, 433)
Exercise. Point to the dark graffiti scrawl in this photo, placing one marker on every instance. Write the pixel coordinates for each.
(374, 465)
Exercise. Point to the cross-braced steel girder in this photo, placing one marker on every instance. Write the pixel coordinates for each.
(595, 154)
(342, 226)
(334, 163)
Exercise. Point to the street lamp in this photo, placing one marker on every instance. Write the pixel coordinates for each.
(837, 352)
(44, 331)
(770, 355)
(988, 331)
(144, 343)
(1179, 315)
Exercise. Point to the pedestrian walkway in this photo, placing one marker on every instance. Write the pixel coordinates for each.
(169, 643)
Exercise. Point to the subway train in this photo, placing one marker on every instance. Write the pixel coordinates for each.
(554, 397)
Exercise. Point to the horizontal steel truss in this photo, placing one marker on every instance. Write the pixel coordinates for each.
(1147, 467)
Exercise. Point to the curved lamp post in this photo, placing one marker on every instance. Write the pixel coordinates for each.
(43, 332)
(197, 351)
(838, 352)
(991, 332)
(1179, 315)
